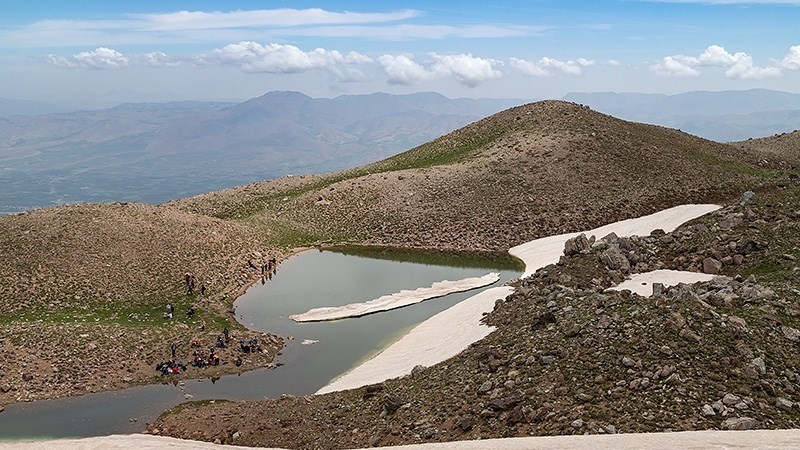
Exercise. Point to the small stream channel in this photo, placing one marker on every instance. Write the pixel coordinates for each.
(307, 280)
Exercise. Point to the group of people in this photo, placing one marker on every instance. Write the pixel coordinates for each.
(212, 358)
(191, 282)
(170, 367)
(199, 360)
(249, 346)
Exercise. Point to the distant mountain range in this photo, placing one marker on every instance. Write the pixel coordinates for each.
(154, 152)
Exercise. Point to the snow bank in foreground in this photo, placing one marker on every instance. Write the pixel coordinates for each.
(686, 440)
(441, 337)
(396, 300)
(642, 283)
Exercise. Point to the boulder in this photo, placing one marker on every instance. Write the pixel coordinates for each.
(711, 266)
(578, 244)
(614, 259)
(739, 423)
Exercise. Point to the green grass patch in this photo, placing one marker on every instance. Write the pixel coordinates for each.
(481, 260)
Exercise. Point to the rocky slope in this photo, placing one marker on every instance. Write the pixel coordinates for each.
(784, 147)
(569, 357)
(535, 170)
(81, 278)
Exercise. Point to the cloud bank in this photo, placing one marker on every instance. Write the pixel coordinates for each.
(738, 65)
(547, 67)
(468, 70)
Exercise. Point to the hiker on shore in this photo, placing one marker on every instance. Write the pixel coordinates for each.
(203, 325)
(173, 348)
(226, 333)
(190, 312)
(251, 265)
(202, 288)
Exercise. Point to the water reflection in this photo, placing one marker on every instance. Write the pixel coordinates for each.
(307, 280)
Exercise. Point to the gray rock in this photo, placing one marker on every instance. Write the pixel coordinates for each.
(577, 244)
(708, 411)
(610, 429)
(759, 364)
(792, 334)
(614, 259)
(658, 289)
(746, 197)
(784, 404)
(711, 266)
(577, 423)
(485, 387)
(739, 423)
(547, 360)
(628, 362)
(730, 399)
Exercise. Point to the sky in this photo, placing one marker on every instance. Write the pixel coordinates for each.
(110, 51)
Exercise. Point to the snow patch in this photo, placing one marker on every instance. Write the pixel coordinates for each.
(642, 283)
(396, 300)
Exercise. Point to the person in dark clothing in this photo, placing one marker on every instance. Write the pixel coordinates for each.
(173, 348)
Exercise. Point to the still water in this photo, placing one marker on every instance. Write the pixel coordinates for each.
(307, 280)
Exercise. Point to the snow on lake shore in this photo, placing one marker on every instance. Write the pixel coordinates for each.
(396, 300)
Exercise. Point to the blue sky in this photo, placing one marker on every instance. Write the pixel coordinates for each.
(162, 50)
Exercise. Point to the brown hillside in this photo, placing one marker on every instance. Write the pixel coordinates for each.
(83, 289)
(781, 150)
(539, 169)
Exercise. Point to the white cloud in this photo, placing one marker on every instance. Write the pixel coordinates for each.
(279, 58)
(282, 17)
(675, 66)
(402, 69)
(100, 58)
(739, 64)
(792, 60)
(545, 66)
(613, 62)
(193, 27)
(156, 59)
(466, 69)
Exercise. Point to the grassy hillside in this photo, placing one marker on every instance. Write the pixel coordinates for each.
(83, 289)
(538, 169)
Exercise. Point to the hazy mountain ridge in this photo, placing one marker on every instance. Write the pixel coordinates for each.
(177, 149)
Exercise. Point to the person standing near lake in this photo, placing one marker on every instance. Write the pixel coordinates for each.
(173, 348)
